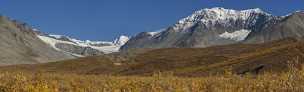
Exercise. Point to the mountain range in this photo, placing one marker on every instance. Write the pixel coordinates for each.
(219, 26)
(81, 48)
(23, 44)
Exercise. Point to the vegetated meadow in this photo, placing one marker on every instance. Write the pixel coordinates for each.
(291, 81)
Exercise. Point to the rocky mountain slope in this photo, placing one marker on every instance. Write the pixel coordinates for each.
(219, 26)
(20, 45)
(81, 48)
(289, 26)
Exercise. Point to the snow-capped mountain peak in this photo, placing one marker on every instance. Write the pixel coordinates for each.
(121, 40)
(217, 15)
(223, 11)
(207, 27)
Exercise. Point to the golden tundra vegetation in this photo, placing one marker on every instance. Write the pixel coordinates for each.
(292, 81)
(271, 67)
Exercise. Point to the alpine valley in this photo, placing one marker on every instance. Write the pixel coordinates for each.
(209, 41)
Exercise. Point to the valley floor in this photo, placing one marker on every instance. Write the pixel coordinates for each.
(292, 81)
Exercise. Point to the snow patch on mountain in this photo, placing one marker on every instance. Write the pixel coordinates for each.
(121, 40)
(239, 35)
(153, 33)
(103, 46)
(107, 49)
(52, 42)
(56, 36)
(80, 42)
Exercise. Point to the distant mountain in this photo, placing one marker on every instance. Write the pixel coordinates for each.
(20, 45)
(219, 26)
(290, 26)
(81, 48)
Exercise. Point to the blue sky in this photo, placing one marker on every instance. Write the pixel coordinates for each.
(107, 19)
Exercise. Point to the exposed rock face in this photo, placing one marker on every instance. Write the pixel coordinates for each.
(219, 26)
(20, 45)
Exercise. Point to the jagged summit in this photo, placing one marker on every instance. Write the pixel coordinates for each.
(219, 15)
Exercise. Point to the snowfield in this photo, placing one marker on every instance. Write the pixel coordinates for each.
(236, 35)
(111, 47)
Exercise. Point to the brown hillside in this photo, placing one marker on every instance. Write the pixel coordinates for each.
(240, 58)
